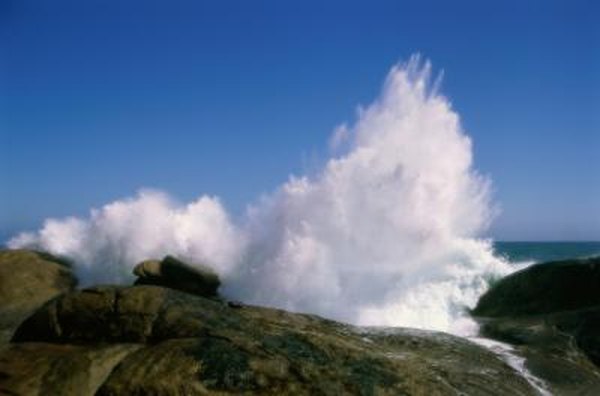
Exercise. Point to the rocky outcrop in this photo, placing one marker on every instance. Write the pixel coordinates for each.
(27, 280)
(554, 349)
(175, 338)
(544, 288)
(175, 274)
(56, 369)
(550, 312)
(173, 343)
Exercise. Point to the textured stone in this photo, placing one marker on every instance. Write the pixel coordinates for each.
(194, 345)
(175, 274)
(27, 280)
(52, 369)
(544, 288)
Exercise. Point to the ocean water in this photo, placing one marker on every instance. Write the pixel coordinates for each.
(537, 252)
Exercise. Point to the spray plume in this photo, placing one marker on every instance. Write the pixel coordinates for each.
(385, 234)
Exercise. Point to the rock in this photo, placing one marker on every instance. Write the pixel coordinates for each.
(102, 314)
(175, 274)
(235, 304)
(193, 345)
(553, 350)
(27, 280)
(550, 313)
(148, 269)
(544, 288)
(585, 327)
(303, 364)
(51, 369)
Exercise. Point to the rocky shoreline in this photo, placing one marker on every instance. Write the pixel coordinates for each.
(550, 314)
(172, 334)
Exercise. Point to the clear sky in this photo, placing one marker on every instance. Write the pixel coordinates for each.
(100, 98)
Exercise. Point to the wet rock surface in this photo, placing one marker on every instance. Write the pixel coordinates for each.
(550, 313)
(551, 353)
(58, 369)
(194, 345)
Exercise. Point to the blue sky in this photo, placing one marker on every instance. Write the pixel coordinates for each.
(100, 98)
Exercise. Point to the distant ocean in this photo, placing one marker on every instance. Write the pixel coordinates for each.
(536, 252)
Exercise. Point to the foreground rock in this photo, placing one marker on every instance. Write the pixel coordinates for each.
(553, 349)
(175, 274)
(27, 280)
(54, 369)
(551, 313)
(171, 343)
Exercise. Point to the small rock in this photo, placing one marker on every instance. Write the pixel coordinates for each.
(148, 268)
(235, 304)
(175, 274)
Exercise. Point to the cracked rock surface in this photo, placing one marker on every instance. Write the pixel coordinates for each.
(151, 340)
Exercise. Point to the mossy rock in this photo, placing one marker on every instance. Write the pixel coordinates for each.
(27, 280)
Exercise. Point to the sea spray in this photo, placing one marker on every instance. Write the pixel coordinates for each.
(384, 234)
(106, 246)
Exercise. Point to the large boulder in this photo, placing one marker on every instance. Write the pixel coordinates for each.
(52, 369)
(175, 274)
(544, 288)
(550, 313)
(190, 345)
(294, 362)
(124, 314)
(27, 280)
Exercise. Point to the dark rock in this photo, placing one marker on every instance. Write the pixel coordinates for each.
(27, 280)
(98, 314)
(585, 326)
(550, 312)
(175, 274)
(561, 348)
(51, 369)
(193, 345)
(235, 304)
(544, 288)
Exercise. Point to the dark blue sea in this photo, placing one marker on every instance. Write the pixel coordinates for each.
(528, 252)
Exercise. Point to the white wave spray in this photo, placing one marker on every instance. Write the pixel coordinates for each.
(385, 234)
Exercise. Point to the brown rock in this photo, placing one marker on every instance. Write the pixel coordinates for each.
(27, 280)
(51, 369)
(196, 346)
(175, 274)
